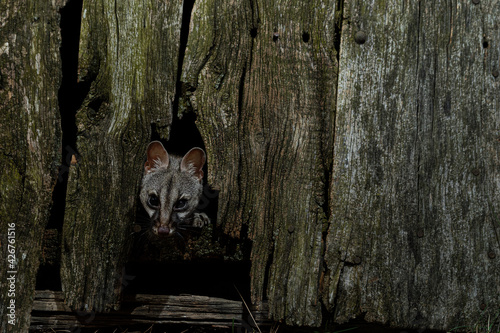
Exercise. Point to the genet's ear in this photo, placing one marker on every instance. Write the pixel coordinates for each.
(193, 162)
(157, 157)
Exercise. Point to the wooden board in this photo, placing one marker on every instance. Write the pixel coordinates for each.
(30, 146)
(128, 62)
(261, 77)
(414, 234)
(50, 311)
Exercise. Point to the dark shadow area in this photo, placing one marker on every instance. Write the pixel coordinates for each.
(338, 28)
(305, 37)
(69, 100)
(213, 278)
(360, 326)
(186, 21)
(247, 327)
(184, 133)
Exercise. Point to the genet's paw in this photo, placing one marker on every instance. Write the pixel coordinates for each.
(200, 220)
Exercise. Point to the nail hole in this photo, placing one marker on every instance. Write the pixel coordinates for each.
(360, 37)
(253, 32)
(305, 37)
(485, 44)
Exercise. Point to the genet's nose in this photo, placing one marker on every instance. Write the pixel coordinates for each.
(164, 231)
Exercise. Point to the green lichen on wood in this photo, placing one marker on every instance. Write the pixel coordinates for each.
(29, 143)
(258, 111)
(411, 181)
(214, 71)
(129, 60)
(377, 186)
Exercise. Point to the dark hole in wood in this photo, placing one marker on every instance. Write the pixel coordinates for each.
(305, 37)
(338, 28)
(70, 97)
(180, 88)
(207, 278)
(253, 32)
(184, 134)
(2, 81)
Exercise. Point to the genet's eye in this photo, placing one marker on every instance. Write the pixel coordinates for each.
(153, 201)
(181, 204)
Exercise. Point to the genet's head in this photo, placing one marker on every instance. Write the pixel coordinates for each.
(171, 187)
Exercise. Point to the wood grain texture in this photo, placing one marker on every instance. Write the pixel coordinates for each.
(50, 312)
(413, 239)
(128, 61)
(262, 80)
(214, 69)
(366, 180)
(289, 105)
(30, 141)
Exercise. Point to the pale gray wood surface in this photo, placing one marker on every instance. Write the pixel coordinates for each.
(414, 233)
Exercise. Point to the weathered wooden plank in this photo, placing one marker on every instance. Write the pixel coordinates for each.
(457, 268)
(289, 105)
(128, 59)
(413, 240)
(374, 177)
(262, 79)
(67, 322)
(30, 144)
(216, 61)
(50, 311)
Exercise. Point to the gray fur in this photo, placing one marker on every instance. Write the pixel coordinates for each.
(177, 184)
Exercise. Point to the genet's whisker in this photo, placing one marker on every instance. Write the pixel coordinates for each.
(179, 235)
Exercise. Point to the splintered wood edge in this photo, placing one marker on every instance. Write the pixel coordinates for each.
(50, 311)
